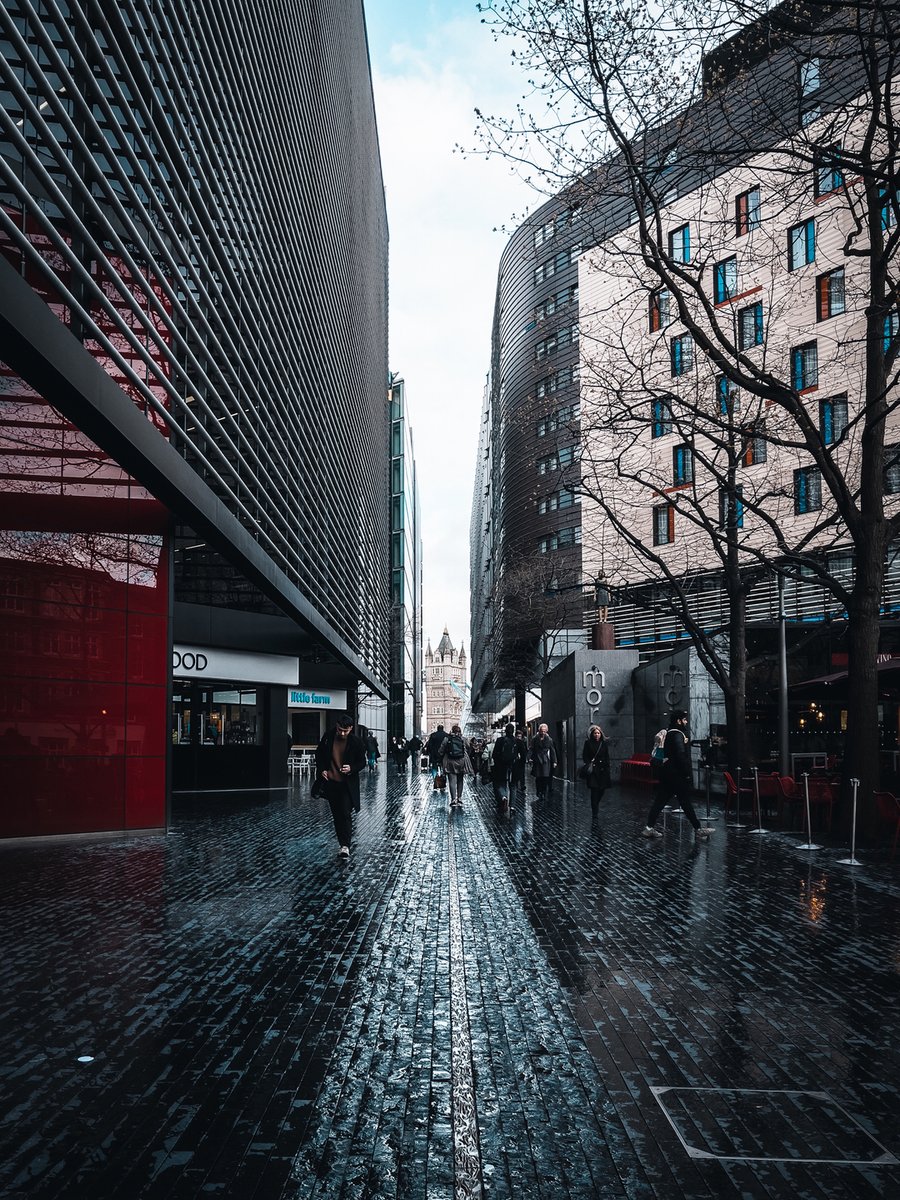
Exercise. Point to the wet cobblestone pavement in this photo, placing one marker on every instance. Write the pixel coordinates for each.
(535, 1005)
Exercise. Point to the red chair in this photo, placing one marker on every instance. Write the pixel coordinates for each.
(821, 800)
(889, 814)
(746, 797)
(769, 793)
(788, 800)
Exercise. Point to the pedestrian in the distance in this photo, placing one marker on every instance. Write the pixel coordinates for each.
(414, 745)
(372, 752)
(676, 778)
(521, 763)
(340, 756)
(401, 752)
(543, 760)
(433, 750)
(595, 769)
(503, 760)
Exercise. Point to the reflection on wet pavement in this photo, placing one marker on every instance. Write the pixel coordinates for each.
(533, 1004)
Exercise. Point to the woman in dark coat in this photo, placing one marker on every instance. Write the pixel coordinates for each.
(543, 760)
(595, 757)
(340, 756)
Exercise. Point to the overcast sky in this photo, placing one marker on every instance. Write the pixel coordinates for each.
(432, 65)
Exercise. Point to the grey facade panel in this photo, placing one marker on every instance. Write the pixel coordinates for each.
(196, 189)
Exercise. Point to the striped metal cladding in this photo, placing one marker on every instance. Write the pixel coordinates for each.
(212, 170)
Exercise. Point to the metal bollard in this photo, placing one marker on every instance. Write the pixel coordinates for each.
(852, 861)
(809, 845)
(759, 824)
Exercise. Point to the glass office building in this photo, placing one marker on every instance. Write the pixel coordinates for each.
(194, 524)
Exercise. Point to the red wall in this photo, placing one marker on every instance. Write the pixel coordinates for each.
(84, 606)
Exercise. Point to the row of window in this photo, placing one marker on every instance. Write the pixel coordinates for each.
(551, 384)
(807, 498)
(564, 498)
(565, 336)
(555, 225)
(563, 417)
(563, 457)
(559, 262)
(552, 304)
(833, 417)
(560, 539)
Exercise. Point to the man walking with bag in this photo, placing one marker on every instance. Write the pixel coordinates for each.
(340, 756)
(676, 778)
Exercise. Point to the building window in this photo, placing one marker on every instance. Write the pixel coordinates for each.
(809, 77)
(661, 423)
(680, 244)
(755, 450)
(750, 326)
(833, 419)
(746, 212)
(565, 498)
(828, 174)
(660, 309)
(565, 455)
(725, 280)
(830, 294)
(546, 464)
(664, 525)
(890, 206)
(801, 244)
(681, 353)
(891, 470)
(731, 508)
(807, 490)
(682, 465)
(727, 395)
(560, 540)
(805, 367)
(891, 329)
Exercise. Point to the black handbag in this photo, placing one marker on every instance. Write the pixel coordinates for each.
(317, 788)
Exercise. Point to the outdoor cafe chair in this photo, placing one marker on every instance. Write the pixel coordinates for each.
(889, 814)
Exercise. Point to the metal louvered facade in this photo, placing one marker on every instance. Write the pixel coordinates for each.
(193, 193)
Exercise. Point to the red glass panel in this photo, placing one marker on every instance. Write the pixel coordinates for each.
(145, 793)
(147, 720)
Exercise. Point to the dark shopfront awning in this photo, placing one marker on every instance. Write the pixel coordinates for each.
(891, 669)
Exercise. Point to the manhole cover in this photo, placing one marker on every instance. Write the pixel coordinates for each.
(779, 1126)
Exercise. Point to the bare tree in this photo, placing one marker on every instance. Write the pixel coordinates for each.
(795, 103)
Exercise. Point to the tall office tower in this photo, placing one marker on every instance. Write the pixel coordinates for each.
(405, 713)
(194, 555)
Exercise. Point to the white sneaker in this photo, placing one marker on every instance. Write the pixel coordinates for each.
(344, 852)
(649, 832)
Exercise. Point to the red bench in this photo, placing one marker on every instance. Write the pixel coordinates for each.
(637, 769)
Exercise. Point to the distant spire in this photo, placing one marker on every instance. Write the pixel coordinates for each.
(445, 646)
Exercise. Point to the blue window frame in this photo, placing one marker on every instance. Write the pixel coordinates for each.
(801, 244)
(680, 244)
(805, 367)
(807, 490)
(891, 329)
(750, 326)
(661, 423)
(681, 352)
(725, 280)
(727, 395)
(833, 419)
(682, 465)
(828, 173)
(731, 508)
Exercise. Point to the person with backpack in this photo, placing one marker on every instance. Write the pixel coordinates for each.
(543, 760)
(517, 775)
(457, 764)
(433, 750)
(503, 760)
(676, 778)
(595, 769)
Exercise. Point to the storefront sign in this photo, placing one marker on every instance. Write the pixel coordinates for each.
(238, 666)
(314, 698)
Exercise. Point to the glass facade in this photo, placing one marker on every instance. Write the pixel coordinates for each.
(405, 713)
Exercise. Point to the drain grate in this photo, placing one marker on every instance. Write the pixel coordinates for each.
(778, 1126)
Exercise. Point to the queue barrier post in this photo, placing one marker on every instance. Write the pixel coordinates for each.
(809, 844)
(852, 861)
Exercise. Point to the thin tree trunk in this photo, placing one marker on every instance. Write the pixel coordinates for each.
(863, 744)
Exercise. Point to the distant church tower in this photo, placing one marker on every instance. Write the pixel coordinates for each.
(445, 684)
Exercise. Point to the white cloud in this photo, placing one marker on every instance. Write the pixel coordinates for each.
(442, 210)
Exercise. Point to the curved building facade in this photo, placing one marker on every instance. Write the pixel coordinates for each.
(193, 306)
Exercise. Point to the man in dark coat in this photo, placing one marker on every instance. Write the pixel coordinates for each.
(543, 760)
(676, 778)
(340, 756)
(503, 759)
